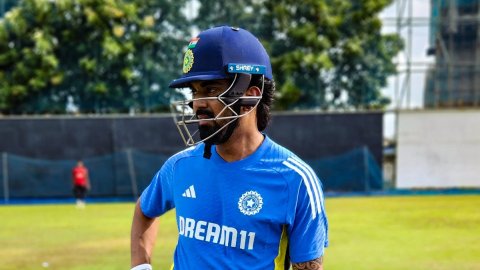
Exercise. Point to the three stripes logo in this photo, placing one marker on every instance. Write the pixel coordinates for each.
(311, 183)
(190, 192)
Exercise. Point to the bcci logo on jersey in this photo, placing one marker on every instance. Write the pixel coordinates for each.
(250, 203)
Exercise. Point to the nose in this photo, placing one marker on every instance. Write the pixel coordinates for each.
(196, 104)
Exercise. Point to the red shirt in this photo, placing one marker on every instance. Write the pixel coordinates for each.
(80, 176)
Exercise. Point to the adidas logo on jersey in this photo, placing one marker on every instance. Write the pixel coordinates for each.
(190, 192)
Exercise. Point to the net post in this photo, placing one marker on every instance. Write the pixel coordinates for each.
(131, 172)
(366, 168)
(6, 194)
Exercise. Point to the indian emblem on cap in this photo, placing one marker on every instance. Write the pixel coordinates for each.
(250, 203)
(188, 61)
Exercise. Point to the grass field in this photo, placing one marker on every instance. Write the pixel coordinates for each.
(416, 232)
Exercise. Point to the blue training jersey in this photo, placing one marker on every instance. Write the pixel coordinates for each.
(242, 214)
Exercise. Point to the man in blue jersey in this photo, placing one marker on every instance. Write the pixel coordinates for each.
(241, 200)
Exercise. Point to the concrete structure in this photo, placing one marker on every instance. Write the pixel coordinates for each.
(438, 149)
(454, 80)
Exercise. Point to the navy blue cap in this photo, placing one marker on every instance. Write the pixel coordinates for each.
(219, 52)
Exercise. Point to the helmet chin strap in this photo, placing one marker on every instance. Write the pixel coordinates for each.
(207, 151)
(237, 90)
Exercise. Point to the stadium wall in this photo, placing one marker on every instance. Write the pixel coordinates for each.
(124, 152)
(438, 149)
(310, 135)
(320, 135)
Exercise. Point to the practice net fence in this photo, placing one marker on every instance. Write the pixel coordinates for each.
(127, 173)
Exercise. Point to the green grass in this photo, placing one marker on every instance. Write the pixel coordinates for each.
(434, 233)
(418, 232)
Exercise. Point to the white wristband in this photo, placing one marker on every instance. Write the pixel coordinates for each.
(144, 266)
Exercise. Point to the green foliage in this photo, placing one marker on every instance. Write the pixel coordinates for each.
(118, 55)
(333, 51)
(106, 54)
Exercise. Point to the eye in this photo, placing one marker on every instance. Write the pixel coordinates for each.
(213, 91)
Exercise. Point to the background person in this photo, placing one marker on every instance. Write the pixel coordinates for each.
(241, 200)
(81, 183)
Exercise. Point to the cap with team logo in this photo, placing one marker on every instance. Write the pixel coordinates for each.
(219, 53)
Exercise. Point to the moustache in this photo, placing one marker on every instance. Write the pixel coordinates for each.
(204, 112)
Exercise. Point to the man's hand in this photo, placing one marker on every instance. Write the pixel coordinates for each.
(316, 264)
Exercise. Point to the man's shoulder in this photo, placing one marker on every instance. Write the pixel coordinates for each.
(285, 162)
(193, 151)
(170, 164)
(277, 153)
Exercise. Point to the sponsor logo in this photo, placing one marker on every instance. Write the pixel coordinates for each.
(246, 68)
(190, 192)
(214, 233)
(250, 203)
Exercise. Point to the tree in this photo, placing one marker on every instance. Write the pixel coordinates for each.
(103, 53)
(325, 53)
(330, 53)
(161, 60)
(117, 55)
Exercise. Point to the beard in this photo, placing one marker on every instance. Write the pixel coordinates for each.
(206, 131)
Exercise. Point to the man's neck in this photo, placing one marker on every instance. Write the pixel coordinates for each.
(240, 145)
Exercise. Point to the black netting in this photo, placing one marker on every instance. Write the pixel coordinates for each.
(114, 175)
(127, 173)
(36, 178)
(356, 170)
(2, 190)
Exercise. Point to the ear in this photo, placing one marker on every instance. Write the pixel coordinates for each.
(253, 91)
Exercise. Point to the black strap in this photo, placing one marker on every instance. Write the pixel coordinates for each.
(207, 151)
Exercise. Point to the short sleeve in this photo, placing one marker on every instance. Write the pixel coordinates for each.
(308, 232)
(157, 198)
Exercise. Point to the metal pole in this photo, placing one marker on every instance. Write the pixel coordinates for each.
(366, 168)
(6, 194)
(409, 52)
(401, 4)
(476, 73)
(397, 79)
(115, 166)
(450, 97)
(131, 171)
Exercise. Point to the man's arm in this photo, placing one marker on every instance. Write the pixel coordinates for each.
(143, 236)
(316, 264)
